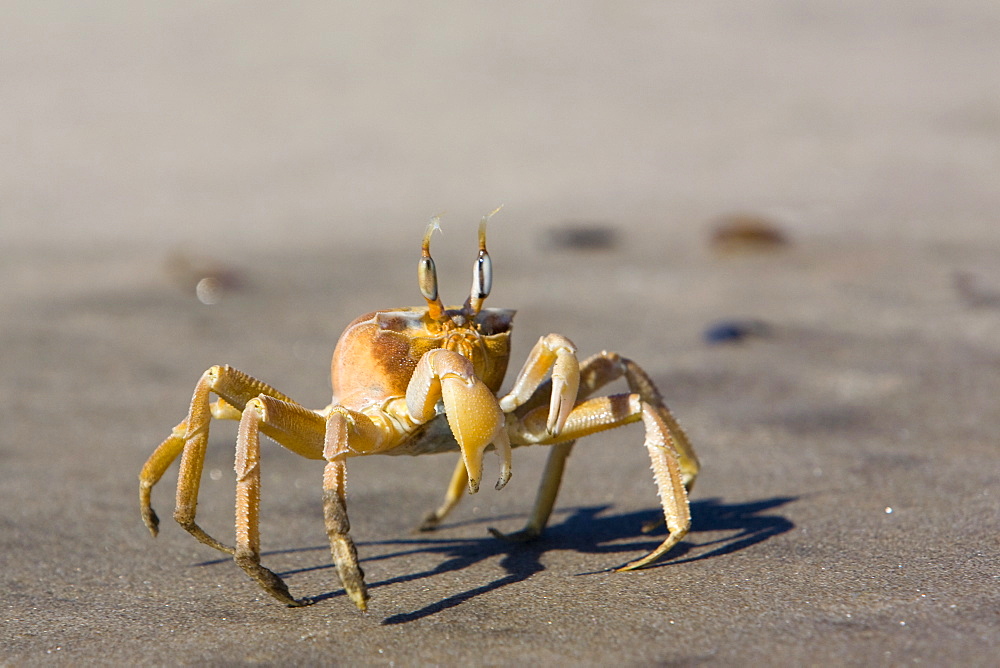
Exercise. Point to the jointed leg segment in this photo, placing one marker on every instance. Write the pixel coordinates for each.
(556, 354)
(264, 410)
(339, 424)
(247, 553)
(548, 405)
(456, 489)
(675, 466)
(190, 437)
(333, 438)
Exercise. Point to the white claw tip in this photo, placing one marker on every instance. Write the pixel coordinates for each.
(503, 480)
(502, 445)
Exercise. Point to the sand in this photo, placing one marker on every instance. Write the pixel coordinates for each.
(847, 511)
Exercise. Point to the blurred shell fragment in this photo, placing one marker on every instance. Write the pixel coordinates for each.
(747, 233)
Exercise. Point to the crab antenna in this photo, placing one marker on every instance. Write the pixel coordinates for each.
(427, 273)
(482, 271)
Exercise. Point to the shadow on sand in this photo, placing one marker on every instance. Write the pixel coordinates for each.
(586, 530)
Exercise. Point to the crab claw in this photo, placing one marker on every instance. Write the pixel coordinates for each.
(472, 410)
(476, 421)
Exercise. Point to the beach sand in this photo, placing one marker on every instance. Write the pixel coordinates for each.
(847, 509)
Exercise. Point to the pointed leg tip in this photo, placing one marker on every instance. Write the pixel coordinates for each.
(526, 535)
(430, 523)
(151, 521)
(638, 564)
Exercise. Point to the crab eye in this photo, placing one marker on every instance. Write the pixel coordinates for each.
(426, 272)
(482, 276)
(427, 278)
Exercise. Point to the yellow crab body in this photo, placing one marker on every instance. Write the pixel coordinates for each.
(422, 380)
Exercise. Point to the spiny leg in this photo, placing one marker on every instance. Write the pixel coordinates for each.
(193, 462)
(595, 372)
(189, 439)
(640, 383)
(343, 432)
(456, 490)
(602, 413)
(545, 498)
(338, 527)
(247, 466)
(667, 473)
(346, 431)
(153, 470)
(164, 456)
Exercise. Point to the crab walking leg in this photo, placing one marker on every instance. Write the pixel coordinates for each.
(672, 490)
(473, 413)
(545, 498)
(190, 437)
(247, 466)
(601, 413)
(548, 490)
(595, 372)
(346, 432)
(193, 461)
(164, 456)
(640, 382)
(555, 353)
(313, 436)
(606, 367)
(345, 554)
(456, 489)
(154, 468)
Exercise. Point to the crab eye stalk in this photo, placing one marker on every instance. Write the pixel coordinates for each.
(482, 271)
(427, 277)
(427, 273)
(482, 276)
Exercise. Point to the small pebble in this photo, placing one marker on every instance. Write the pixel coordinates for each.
(583, 236)
(735, 331)
(747, 232)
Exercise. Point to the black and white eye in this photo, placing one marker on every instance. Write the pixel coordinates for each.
(427, 278)
(482, 276)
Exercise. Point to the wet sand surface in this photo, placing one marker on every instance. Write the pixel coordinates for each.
(847, 509)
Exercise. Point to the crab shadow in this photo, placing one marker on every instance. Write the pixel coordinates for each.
(585, 530)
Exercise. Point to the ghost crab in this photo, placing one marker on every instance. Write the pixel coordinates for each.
(422, 380)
